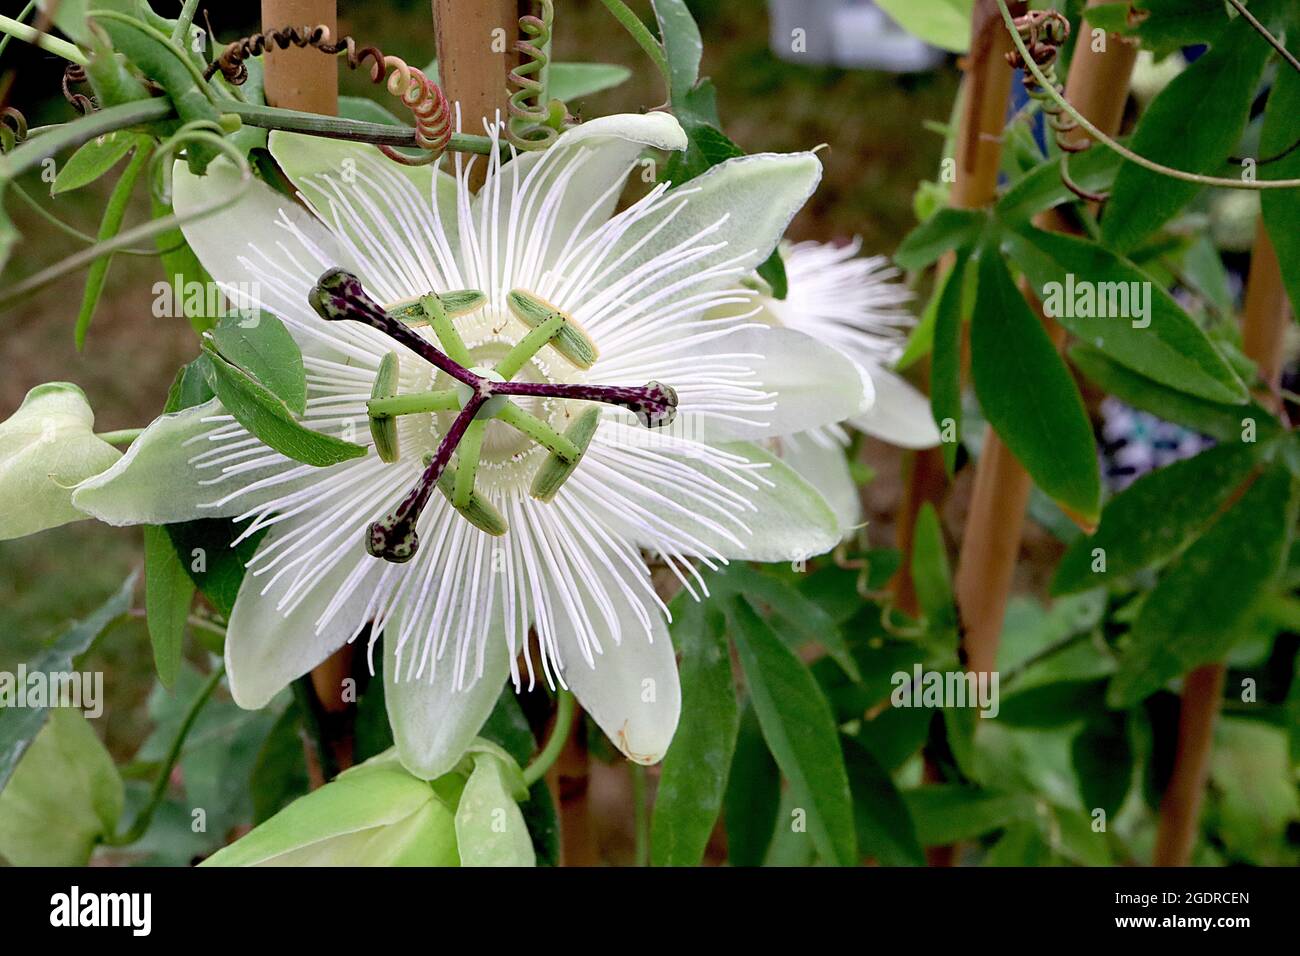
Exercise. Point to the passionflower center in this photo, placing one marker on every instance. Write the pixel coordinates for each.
(479, 397)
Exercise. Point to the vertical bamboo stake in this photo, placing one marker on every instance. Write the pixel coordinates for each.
(986, 90)
(308, 80)
(1263, 324)
(301, 79)
(476, 42)
(1097, 86)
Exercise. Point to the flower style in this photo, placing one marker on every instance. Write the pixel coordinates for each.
(853, 304)
(490, 326)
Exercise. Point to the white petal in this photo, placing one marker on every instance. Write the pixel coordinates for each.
(901, 414)
(434, 721)
(810, 384)
(630, 688)
(820, 460)
(267, 647)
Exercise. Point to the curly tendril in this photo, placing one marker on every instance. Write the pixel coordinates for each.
(424, 98)
(530, 126)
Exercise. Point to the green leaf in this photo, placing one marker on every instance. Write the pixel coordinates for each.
(946, 359)
(1224, 422)
(801, 732)
(64, 795)
(694, 775)
(168, 593)
(947, 229)
(1058, 703)
(1096, 294)
(884, 825)
(263, 347)
(1042, 187)
(942, 23)
(772, 271)
(930, 572)
(182, 270)
(1281, 207)
(1103, 761)
(269, 418)
(682, 45)
(1154, 518)
(572, 81)
(47, 446)
(92, 160)
(1221, 83)
(490, 830)
(1200, 607)
(753, 794)
(109, 226)
(1252, 801)
(280, 770)
(18, 725)
(1027, 393)
(947, 813)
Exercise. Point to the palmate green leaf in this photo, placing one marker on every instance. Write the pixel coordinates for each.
(694, 775)
(18, 725)
(263, 347)
(1200, 607)
(1281, 207)
(92, 160)
(946, 361)
(753, 794)
(65, 794)
(1228, 423)
(946, 230)
(168, 593)
(1220, 84)
(885, 829)
(1027, 393)
(800, 730)
(265, 415)
(1166, 345)
(1155, 517)
(942, 23)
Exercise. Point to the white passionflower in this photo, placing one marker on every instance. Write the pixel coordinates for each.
(630, 289)
(854, 304)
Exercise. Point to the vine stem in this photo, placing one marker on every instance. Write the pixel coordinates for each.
(555, 743)
(1264, 322)
(159, 790)
(1118, 147)
(1262, 30)
(29, 34)
(642, 35)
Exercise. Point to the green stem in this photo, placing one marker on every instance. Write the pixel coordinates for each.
(442, 400)
(529, 345)
(123, 436)
(184, 21)
(336, 127)
(1050, 89)
(559, 737)
(1262, 30)
(4, 40)
(467, 456)
(46, 42)
(67, 228)
(641, 816)
(641, 33)
(39, 147)
(145, 816)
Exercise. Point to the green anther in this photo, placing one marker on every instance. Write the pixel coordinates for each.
(462, 301)
(383, 428)
(571, 341)
(555, 471)
(530, 345)
(440, 319)
(539, 431)
(442, 400)
(467, 455)
(410, 312)
(479, 512)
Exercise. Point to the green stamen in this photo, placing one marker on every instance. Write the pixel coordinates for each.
(440, 319)
(441, 400)
(530, 345)
(555, 471)
(467, 456)
(571, 341)
(383, 428)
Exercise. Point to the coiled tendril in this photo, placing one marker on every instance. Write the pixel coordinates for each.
(1044, 31)
(74, 73)
(533, 122)
(424, 98)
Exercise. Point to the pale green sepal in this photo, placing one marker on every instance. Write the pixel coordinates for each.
(490, 830)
